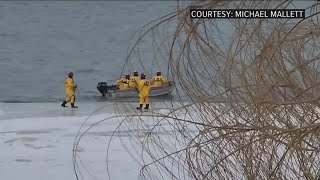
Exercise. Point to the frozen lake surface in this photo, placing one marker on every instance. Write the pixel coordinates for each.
(36, 142)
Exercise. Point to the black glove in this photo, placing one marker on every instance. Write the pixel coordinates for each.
(75, 86)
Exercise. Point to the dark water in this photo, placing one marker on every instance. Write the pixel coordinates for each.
(40, 42)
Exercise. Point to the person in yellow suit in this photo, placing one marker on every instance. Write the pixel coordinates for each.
(123, 84)
(158, 80)
(70, 91)
(144, 86)
(133, 80)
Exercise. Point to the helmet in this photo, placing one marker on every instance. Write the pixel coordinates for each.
(70, 74)
(158, 73)
(127, 76)
(135, 73)
(143, 76)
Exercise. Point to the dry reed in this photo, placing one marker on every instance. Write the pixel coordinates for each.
(252, 96)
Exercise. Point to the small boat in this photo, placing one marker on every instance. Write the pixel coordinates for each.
(112, 90)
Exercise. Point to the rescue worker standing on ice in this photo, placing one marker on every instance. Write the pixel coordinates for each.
(158, 80)
(133, 80)
(144, 86)
(70, 88)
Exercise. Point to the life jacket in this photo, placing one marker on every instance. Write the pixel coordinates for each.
(69, 86)
(144, 87)
(124, 85)
(133, 81)
(126, 81)
(157, 81)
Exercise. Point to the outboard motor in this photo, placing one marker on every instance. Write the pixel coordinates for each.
(103, 88)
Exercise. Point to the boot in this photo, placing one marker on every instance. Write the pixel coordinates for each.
(147, 106)
(64, 104)
(73, 106)
(140, 107)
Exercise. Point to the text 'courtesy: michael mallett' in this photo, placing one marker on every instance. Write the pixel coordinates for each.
(238, 13)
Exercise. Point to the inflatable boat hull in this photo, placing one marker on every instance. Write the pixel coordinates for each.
(112, 91)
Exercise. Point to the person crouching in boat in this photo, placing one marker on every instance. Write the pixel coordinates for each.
(70, 91)
(158, 80)
(133, 80)
(144, 86)
(123, 84)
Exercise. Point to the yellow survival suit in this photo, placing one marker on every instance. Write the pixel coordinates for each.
(133, 80)
(123, 83)
(144, 87)
(158, 80)
(70, 91)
